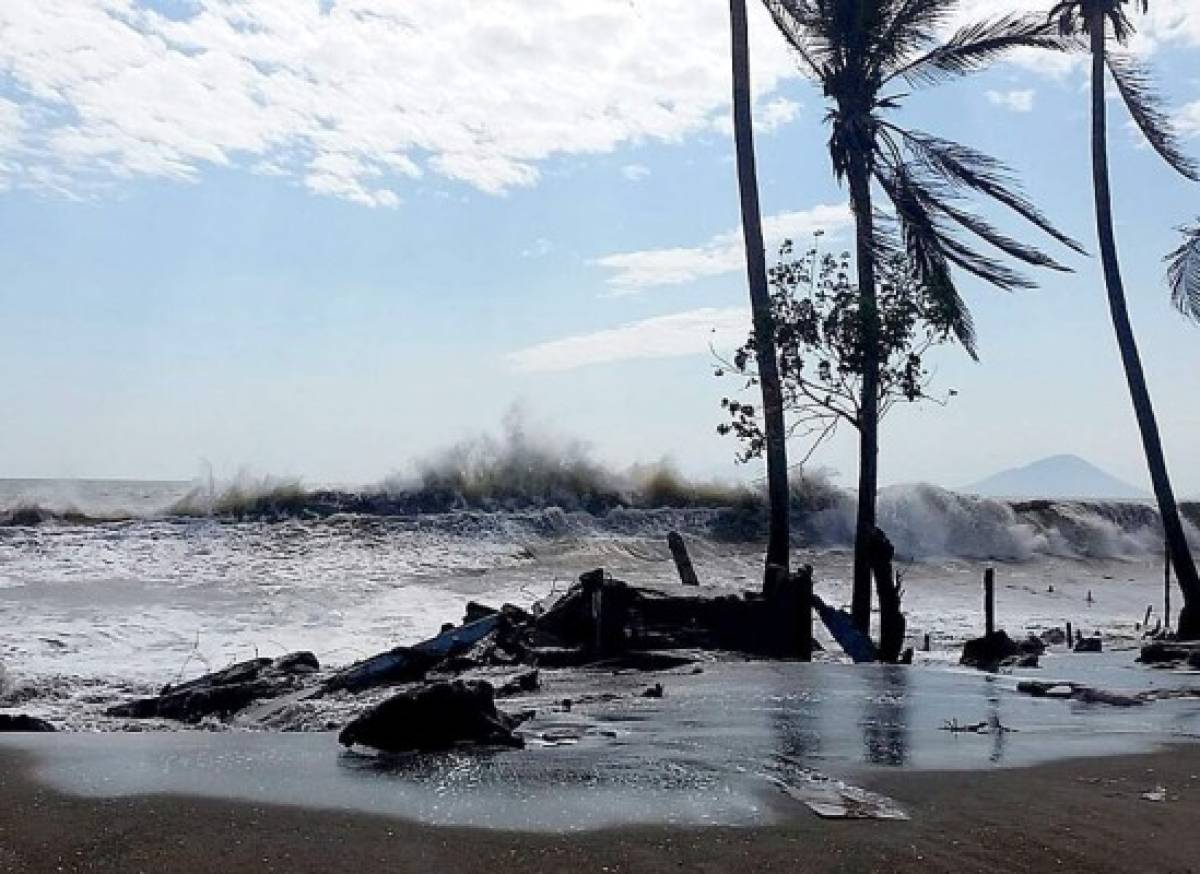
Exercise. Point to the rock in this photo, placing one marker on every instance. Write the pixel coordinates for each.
(476, 611)
(1054, 637)
(1089, 644)
(519, 684)
(296, 663)
(1032, 646)
(23, 723)
(1164, 652)
(222, 693)
(434, 717)
(193, 705)
(1099, 696)
(238, 673)
(1077, 692)
(987, 652)
(1021, 661)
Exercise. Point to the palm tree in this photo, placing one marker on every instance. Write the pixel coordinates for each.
(778, 543)
(861, 52)
(1090, 19)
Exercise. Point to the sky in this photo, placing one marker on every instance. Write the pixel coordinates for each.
(325, 239)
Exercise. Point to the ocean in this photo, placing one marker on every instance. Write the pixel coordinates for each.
(109, 587)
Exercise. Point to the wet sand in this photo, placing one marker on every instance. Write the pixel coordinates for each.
(1077, 815)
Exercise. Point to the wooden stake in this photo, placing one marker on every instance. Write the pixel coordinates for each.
(683, 562)
(989, 601)
(802, 583)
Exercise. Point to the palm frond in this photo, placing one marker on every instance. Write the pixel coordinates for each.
(1144, 104)
(913, 24)
(796, 22)
(1183, 274)
(986, 231)
(975, 46)
(923, 246)
(964, 167)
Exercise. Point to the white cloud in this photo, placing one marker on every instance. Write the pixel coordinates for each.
(359, 98)
(724, 253)
(1017, 101)
(11, 124)
(635, 172)
(1188, 119)
(356, 98)
(672, 336)
(769, 116)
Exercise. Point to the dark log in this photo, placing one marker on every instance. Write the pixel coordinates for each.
(987, 653)
(891, 619)
(788, 617)
(434, 717)
(20, 723)
(989, 602)
(683, 562)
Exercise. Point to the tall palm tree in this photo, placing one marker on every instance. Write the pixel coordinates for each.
(778, 543)
(862, 53)
(1090, 19)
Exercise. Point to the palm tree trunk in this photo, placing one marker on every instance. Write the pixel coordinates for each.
(778, 543)
(868, 447)
(1177, 546)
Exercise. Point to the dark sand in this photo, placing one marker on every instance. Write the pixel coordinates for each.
(1082, 815)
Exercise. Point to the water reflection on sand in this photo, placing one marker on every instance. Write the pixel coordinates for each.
(717, 749)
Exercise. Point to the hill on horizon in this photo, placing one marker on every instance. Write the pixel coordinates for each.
(1059, 476)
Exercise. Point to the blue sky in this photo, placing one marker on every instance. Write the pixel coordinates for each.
(254, 236)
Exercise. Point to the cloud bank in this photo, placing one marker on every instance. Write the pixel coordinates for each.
(634, 272)
(356, 98)
(670, 336)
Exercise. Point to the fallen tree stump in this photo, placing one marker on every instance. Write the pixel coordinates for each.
(20, 723)
(435, 717)
(1079, 692)
(988, 652)
(222, 693)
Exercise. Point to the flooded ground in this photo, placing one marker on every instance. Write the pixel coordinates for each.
(738, 744)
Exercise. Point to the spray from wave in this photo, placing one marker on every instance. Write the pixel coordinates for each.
(525, 480)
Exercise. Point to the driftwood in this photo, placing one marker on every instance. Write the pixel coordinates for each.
(222, 693)
(434, 717)
(683, 562)
(20, 723)
(887, 585)
(841, 625)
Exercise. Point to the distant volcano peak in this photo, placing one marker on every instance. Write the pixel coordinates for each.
(1058, 476)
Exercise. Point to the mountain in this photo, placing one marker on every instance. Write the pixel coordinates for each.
(1060, 476)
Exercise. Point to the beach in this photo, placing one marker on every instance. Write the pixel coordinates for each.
(1078, 815)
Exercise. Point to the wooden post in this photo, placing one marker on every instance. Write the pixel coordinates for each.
(989, 601)
(1070, 637)
(928, 648)
(683, 562)
(802, 590)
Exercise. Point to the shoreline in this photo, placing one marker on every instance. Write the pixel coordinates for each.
(1076, 814)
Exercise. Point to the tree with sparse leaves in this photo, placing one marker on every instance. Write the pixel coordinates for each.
(868, 57)
(818, 337)
(1090, 21)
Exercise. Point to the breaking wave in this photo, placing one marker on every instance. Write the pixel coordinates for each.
(525, 484)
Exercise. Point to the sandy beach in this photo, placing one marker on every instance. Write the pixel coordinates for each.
(1078, 815)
